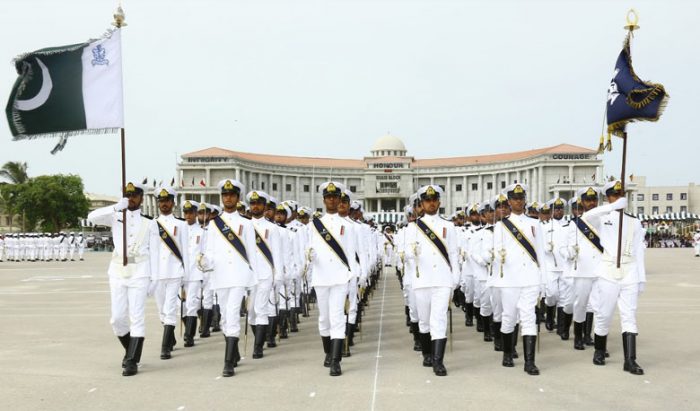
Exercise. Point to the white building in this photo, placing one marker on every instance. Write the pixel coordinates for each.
(388, 176)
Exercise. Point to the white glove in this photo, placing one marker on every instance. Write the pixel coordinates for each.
(312, 254)
(620, 203)
(151, 288)
(640, 288)
(550, 247)
(363, 281)
(573, 252)
(121, 204)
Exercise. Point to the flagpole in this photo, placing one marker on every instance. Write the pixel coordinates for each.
(119, 23)
(632, 19)
(123, 144)
(622, 181)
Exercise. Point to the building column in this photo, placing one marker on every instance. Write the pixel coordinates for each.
(208, 176)
(480, 188)
(284, 188)
(465, 199)
(238, 174)
(296, 188)
(571, 174)
(448, 192)
(541, 183)
(398, 205)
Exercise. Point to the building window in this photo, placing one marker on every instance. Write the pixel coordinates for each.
(489, 185)
(288, 187)
(306, 188)
(655, 197)
(640, 197)
(459, 208)
(684, 209)
(669, 196)
(353, 189)
(274, 186)
(503, 184)
(442, 210)
(458, 187)
(669, 209)
(252, 185)
(655, 210)
(640, 210)
(684, 196)
(262, 185)
(475, 186)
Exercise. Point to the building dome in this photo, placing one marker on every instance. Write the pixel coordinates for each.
(388, 145)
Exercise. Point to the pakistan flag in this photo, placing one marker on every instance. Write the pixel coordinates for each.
(69, 90)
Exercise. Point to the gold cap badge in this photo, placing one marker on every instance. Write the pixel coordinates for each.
(130, 188)
(518, 189)
(163, 193)
(255, 196)
(617, 186)
(228, 185)
(430, 191)
(331, 188)
(591, 192)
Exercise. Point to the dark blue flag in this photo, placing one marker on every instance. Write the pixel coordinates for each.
(631, 99)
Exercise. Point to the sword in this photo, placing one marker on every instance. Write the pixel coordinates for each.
(449, 310)
(183, 297)
(538, 327)
(246, 305)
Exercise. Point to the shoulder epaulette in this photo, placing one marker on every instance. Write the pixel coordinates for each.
(150, 217)
(480, 228)
(490, 228)
(567, 224)
(179, 218)
(631, 215)
(445, 219)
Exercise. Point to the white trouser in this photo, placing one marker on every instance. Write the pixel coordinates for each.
(230, 301)
(62, 252)
(485, 308)
(519, 302)
(194, 298)
(432, 303)
(71, 253)
(605, 295)
(81, 251)
(566, 292)
(207, 295)
(469, 290)
(697, 250)
(331, 305)
(552, 287)
(274, 299)
(128, 298)
(496, 304)
(260, 296)
(412, 307)
(577, 303)
(166, 299)
(352, 301)
(292, 294)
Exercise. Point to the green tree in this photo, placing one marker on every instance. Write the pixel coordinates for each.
(53, 202)
(14, 172)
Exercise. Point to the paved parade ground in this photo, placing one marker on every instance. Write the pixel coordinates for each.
(58, 352)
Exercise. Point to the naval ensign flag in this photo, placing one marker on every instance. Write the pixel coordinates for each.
(69, 90)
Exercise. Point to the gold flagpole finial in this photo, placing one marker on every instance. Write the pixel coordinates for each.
(119, 17)
(632, 20)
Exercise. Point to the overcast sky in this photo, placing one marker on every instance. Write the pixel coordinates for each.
(327, 78)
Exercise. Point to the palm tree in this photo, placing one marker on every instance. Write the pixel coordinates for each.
(15, 172)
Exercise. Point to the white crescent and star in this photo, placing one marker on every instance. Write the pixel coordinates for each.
(42, 96)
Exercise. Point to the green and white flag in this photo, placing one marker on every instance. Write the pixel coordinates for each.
(69, 90)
